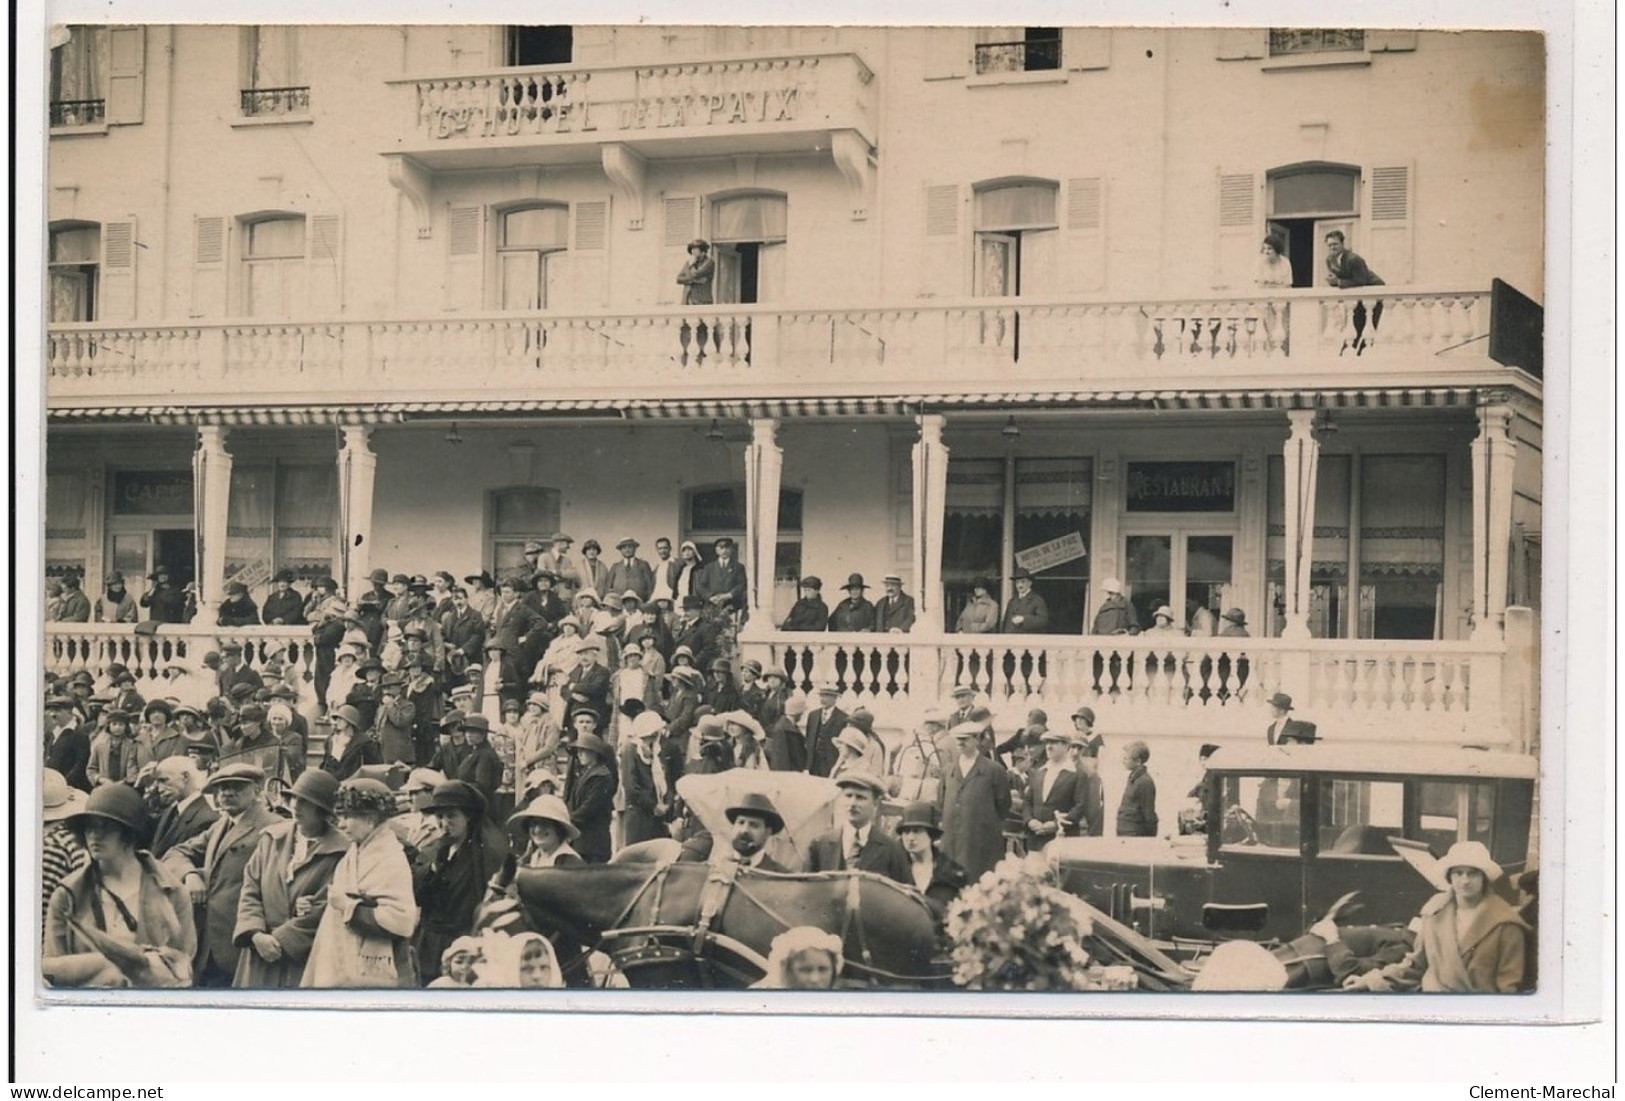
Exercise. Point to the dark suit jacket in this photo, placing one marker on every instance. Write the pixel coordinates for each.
(1289, 731)
(290, 609)
(510, 625)
(465, 633)
(173, 829)
(69, 754)
(698, 637)
(361, 751)
(718, 580)
(820, 743)
(1065, 797)
(220, 853)
(882, 854)
(634, 574)
(894, 614)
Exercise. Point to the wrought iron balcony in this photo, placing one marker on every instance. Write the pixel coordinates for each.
(78, 112)
(261, 102)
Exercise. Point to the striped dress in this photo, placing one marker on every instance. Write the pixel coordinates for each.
(63, 855)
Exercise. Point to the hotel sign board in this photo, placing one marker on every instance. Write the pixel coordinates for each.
(1044, 556)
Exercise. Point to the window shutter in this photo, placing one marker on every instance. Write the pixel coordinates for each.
(1379, 42)
(942, 260)
(1388, 222)
(1243, 43)
(1237, 234)
(681, 225)
(116, 295)
(465, 258)
(1083, 247)
(324, 281)
(589, 254)
(1086, 48)
(209, 245)
(947, 53)
(126, 74)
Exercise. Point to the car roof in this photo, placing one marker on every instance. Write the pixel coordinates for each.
(1374, 758)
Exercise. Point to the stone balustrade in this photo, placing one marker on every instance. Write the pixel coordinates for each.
(1039, 343)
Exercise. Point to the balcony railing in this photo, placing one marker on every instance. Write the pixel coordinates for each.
(1047, 343)
(78, 112)
(259, 102)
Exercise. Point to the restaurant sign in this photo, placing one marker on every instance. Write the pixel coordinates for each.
(152, 493)
(1182, 487)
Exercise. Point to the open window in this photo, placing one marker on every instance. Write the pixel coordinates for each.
(549, 45)
(1306, 202)
(75, 265)
(1019, 50)
(531, 246)
(273, 81)
(1016, 237)
(749, 236)
(1261, 813)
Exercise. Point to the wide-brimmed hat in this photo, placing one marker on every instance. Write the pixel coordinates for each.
(421, 779)
(457, 795)
(1236, 616)
(867, 781)
(854, 581)
(592, 743)
(119, 803)
(920, 816)
(758, 805)
(1281, 700)
(711, 729)
(240, 773)
(477, 722)
(483, 577)
(1471, 854)
(547, 808)
(317, 787)
(58, 798)
(649, 724)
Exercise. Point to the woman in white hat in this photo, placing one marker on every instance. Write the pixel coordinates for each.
(547, 833)
(63, 852)
(1471, 940)
(748, 737)
(643, 780)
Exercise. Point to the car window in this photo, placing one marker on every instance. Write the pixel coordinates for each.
(1357, 817)
(1455, 810)
(1261, 812)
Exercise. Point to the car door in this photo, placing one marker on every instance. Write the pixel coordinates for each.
(1258, 890)
(1353, 817)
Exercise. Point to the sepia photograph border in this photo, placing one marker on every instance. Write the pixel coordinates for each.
(1578, 844)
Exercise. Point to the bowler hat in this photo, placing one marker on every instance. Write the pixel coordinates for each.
(457, 795)
(119, 803)
(547, 808)
(59, 800)
(757, 805)
(240, 773)
(854, 581)
(317, 787)
(1281, 700)
(863, 780)
(1021, 574)
(920, 816)
(379, 577)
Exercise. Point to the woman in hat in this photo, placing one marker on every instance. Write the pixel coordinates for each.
(365, 929)
(1471, 940)
(803, 958)
(450, 876)
(279, 722)
(121, 919)
(285, 887)
(749, 739)
(482, 593)
(345, 674)
(646, 792)
(116, 605)
(850, 745)
(590, 793)
(348, 748)
(238, 608)
(935, 876)
(545, 831)
(697, 274)
(855, 613)
(981, 613)
(115, 755)
(63, 852)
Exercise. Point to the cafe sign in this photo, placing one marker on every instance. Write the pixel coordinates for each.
(152, 493)
(1182, 487)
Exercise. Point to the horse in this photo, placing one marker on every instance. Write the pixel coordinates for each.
(684, 925)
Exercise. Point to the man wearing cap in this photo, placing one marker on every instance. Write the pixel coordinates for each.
(1285, 731)
(396, 723)
(1115, 616)
(859, 843)
(284, 606)
(75, 607)
(855, 613)
(722, 580)
(809, 613)
(238, 608)
(894, 612)
(178, 784)
(211, 865)
(233, 672)
(285, 887)
(67, 747)
(116, 605)
(481, 765)
(631, 572)
(823, 726)
(1055, 803)
(974, 798)
(755, 822)
(1027, 613)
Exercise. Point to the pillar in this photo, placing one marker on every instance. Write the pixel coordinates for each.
(211, 495)
(1494, 453)
(358, 467)
(764, 470)
(930, 501)
(1302, 460)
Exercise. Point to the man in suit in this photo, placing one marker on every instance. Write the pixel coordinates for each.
(722, 580)
(1285, 731)
(822, 727)
(565, 570)
(233, 672)
(755, 820)
(464, 631)
(67, 747)
(210, 865)
(858, 843)
(666, 570)
(693, 631)
(974, 798)
(1055, 805)
(894, 612)
(588, 684)
(178, 783)
(631, 572)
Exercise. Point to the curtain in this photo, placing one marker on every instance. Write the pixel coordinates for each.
(307, 509)
(248, 518)
(751, 218)
(76, 67)
(1021, 206)
(273, 57)
(1331, 546)
(1402, 515)
(65, 494)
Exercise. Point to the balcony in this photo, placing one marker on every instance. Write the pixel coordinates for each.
(1298, 338)
(560, 115)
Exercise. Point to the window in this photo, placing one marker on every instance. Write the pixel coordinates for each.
(712, 512)
(748, 235)
(281, 516)
(1016, 231)
(1402, 500)
(538, 46)
(1020, 50)
(75, 255)
(1261, 812)
(1358, 816)
(516, 516)
(529, 247)
(78, 85)
(1329, 565)
(272, 81)
(1452, 810)
(1306, 202)
(273, 265)
(1289, 41)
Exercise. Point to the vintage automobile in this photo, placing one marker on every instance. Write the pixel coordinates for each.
(1291, 829)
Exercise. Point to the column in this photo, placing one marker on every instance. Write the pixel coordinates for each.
(211, 496)
(357, 469)
(1302, 459)
(1494, 453)
(764, 470)
(930, 501)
